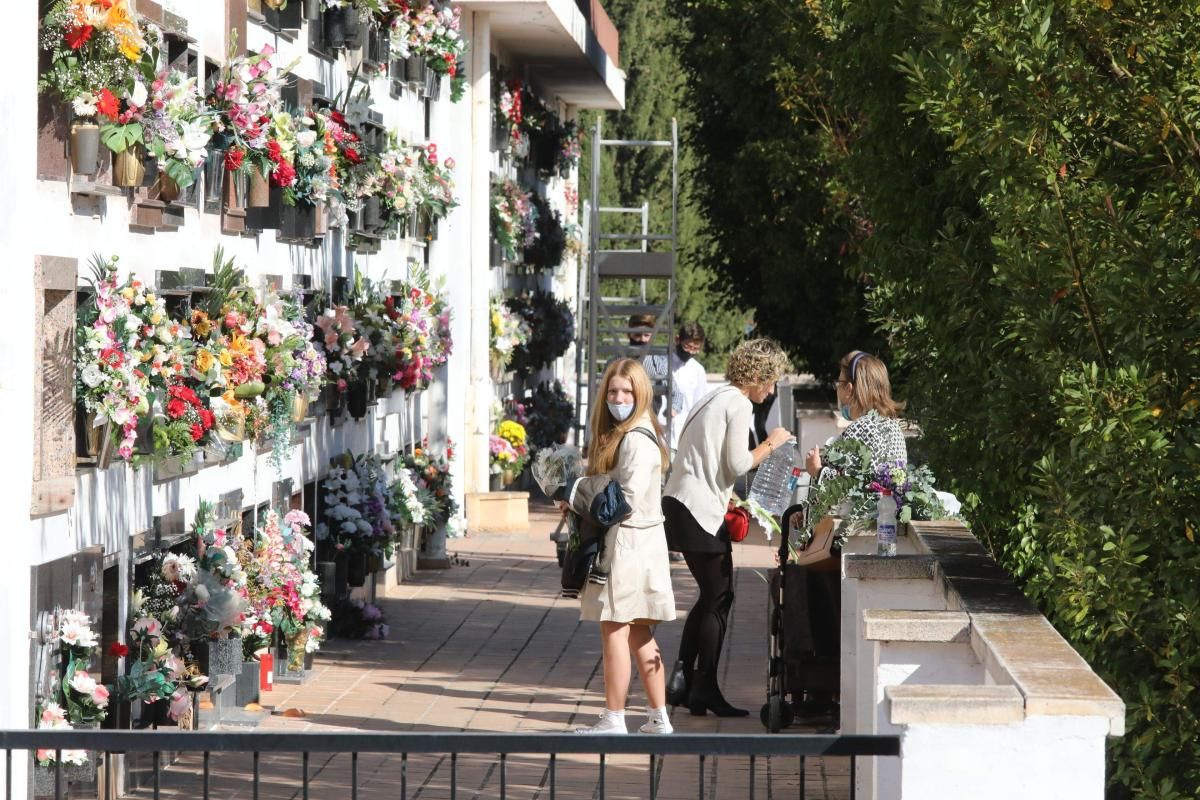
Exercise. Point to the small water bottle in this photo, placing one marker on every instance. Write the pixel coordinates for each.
(776, 479)
(885, 529)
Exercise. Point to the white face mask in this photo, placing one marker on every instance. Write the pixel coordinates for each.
(620, 411)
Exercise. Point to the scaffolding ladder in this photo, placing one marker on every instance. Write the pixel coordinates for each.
(603, 336)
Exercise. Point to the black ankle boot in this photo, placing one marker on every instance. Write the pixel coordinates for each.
(706, 696)
(679, 684)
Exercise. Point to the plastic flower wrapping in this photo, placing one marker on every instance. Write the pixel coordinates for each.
(556, 467)
(214, 601)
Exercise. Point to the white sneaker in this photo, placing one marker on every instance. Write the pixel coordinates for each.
(610, 723)
(659, 726)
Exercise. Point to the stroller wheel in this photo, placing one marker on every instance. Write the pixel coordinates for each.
(775, 714)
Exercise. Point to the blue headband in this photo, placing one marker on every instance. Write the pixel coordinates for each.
(854, 364)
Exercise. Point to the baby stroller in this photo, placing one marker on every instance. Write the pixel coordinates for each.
(802, 632)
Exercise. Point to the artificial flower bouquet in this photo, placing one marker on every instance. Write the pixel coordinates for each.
(508, 332)
(509, 450)
(356, 507)
(213, 603)
(283, 590)
(513, 218)
(344, 348)
(248, 104)
(110, 382)
(407, 503)
(431, 472)
(423, 343)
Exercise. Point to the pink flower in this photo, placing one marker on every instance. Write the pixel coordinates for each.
(296, 517)
(180, 703)
(100, 695)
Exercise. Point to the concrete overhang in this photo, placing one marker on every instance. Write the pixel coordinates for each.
(554, 40)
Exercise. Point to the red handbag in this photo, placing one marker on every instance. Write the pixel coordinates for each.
(737, 522)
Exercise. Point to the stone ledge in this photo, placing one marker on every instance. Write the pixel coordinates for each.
(954, 705)
(890, 567)
(888, 625)
(497, 512)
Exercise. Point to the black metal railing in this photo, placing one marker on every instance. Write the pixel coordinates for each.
(496, 746)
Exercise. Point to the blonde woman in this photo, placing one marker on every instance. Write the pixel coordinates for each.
(627, 446)
(712, 455)
(865, 398)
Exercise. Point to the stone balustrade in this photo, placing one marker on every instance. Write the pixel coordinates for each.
(941, 647)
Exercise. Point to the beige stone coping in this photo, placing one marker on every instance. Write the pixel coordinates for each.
(1013, 641)
(889, 625)
(497, 512)
(905, 567)
(955, 705)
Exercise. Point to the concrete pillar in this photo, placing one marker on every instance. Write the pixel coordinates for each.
(18, 103)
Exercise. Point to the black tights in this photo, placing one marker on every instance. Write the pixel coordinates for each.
(704, 631)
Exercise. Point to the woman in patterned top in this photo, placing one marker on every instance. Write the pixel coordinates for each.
(865, 398)
(814, 646)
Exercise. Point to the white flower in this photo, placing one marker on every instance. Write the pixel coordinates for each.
(92, 376)
(139, 95)
(85, 105)
(73, 634)
(83, 682)
(306, 139)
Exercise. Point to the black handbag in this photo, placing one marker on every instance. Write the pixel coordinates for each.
(578, 561)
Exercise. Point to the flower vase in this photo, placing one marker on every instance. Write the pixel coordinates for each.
(321, 220)
(85, 148)
(299, 407)
(219, 656)
(246, 687)
(129, 167)
(356, 399)
(372, 213)
(335, 26)
(356, 569)
(396, 70)
(168, 189)
(98, 441)
(298, 221)
(43, 777)
(327, 578)
(496, 482)
(312, 10)
(259, 195)
(414, 69)
(231, 427)
(379, 46)
(354, 28)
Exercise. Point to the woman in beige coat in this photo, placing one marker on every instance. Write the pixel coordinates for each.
(627, 446)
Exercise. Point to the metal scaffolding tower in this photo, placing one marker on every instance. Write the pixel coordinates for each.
(645, 257)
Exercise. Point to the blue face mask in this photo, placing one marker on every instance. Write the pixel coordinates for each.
(620, 411)
(845, 409)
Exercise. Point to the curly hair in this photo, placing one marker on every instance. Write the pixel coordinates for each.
(755, 362)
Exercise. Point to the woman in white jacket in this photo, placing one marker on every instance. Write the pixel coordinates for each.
(712, 455)
(627, 446)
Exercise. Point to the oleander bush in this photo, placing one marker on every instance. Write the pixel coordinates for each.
(1008, 191)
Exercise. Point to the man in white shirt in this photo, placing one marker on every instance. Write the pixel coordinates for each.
(689, 380)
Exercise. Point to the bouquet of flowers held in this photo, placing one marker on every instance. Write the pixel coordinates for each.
(556, 468)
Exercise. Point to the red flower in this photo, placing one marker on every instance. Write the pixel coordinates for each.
(78, 35)
(176, 408)
(352, 156)
(274, 152)
(112, 357)
(284, 174)
(234, 157)
(197, 432)
(118, 650)
(206, 418)
(337, 117)
(107, 105)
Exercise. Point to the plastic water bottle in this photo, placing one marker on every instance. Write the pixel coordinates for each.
(776, 480)
(885, 530)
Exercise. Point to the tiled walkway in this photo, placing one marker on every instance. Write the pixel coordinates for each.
(490, 646)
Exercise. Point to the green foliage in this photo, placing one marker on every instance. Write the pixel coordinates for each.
(655, 92)
(1015, 187)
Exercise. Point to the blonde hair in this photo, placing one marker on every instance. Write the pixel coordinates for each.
(607, 433)
(871, 390)
(755, 362)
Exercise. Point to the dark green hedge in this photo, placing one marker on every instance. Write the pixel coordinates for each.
(1014, 185)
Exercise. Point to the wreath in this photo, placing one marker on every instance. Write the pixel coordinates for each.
(552, 330)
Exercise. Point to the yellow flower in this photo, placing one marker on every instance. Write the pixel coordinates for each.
(156, 318)
(127, 293)
(204, 360)
(512, 432)
(149, 297)
(226, 358)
